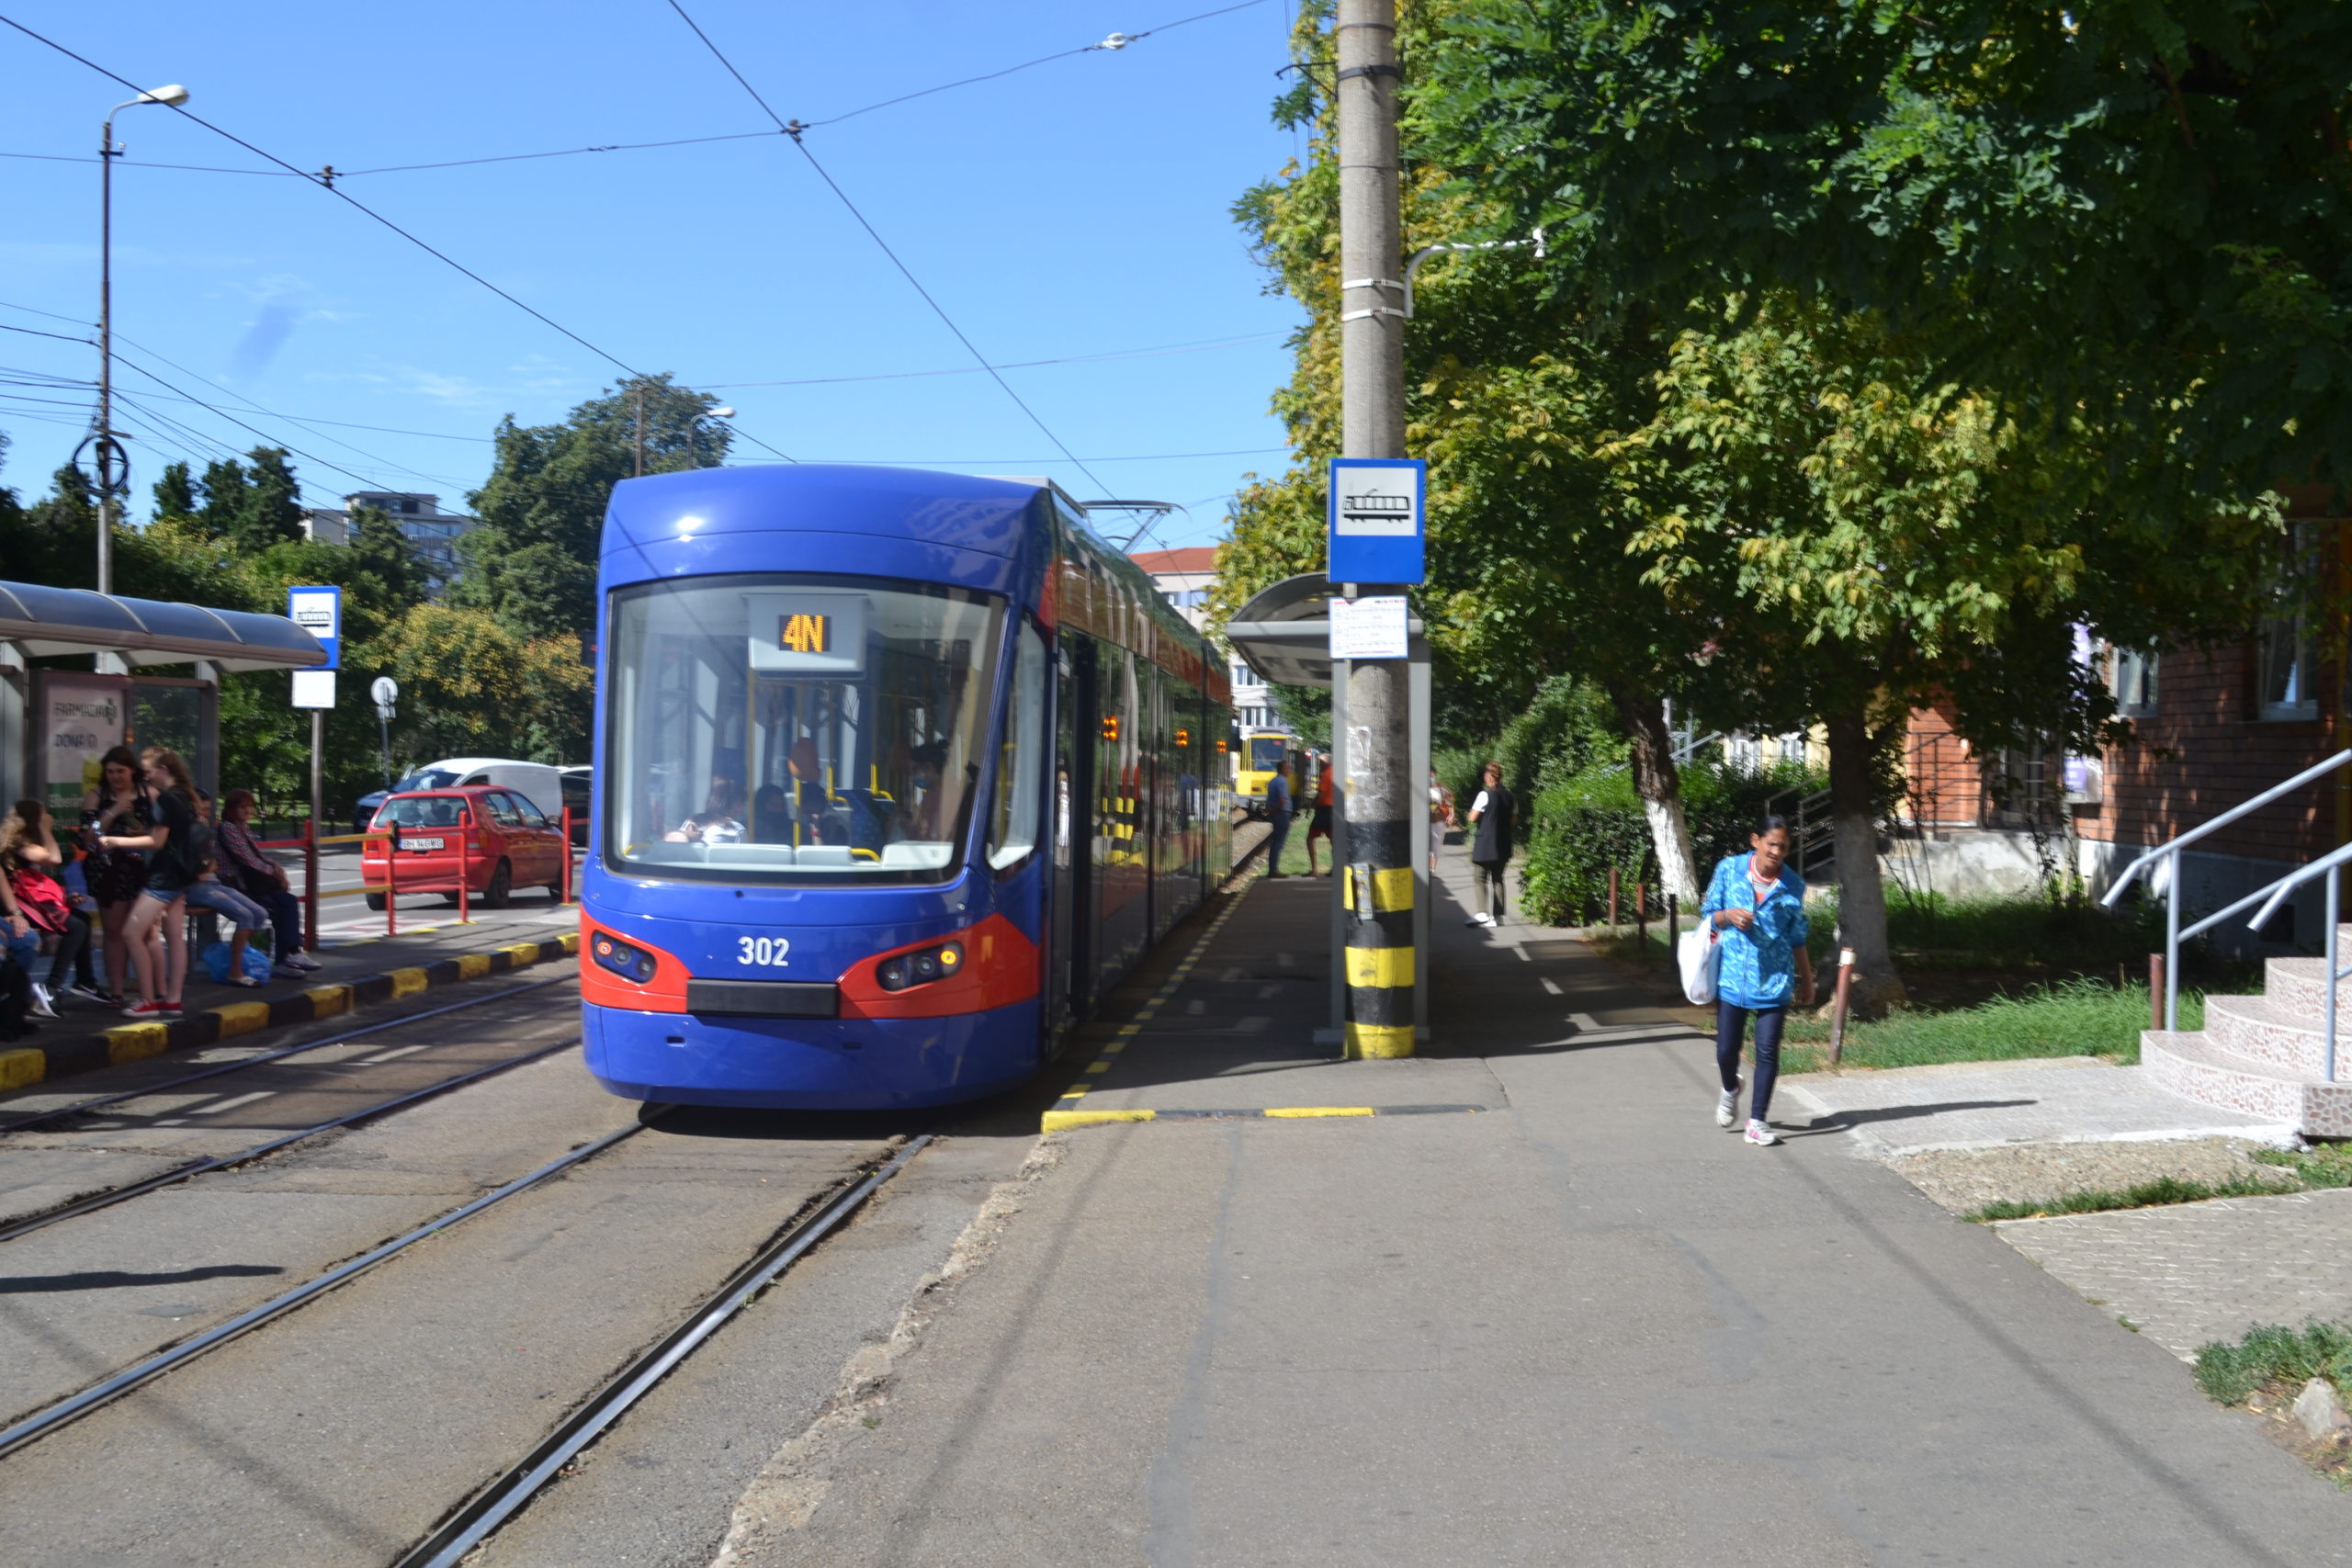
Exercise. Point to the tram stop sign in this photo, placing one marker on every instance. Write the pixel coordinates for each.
(1379, 512)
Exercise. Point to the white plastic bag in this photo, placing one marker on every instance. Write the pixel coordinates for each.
(1700, 954)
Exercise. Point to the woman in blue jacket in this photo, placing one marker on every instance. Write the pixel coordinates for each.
(1757, 903)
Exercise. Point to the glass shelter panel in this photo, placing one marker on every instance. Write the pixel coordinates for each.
(797, 728)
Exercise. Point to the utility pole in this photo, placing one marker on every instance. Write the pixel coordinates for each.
(638, 424)
(106, 446)
(113, 469)
(1385, 813)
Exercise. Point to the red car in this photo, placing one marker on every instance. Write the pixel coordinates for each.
(498, 838)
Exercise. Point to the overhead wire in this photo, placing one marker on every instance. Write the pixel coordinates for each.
(793, 131)
(328, 185)
(1124, 40)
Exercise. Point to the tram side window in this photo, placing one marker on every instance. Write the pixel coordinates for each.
(1021, 757)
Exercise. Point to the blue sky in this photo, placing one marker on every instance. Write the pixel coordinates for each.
(1074, 210)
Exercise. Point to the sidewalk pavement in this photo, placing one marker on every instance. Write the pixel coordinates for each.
(1578, 1325)
(353, 972)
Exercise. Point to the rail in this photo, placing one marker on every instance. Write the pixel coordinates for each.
(2168, 856)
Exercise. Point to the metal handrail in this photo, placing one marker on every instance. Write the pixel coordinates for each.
(2335, 970)
(2174, 846)
(2170, 851)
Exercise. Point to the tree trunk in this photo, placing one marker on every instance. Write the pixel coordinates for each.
(1862, 891)
(1659, 783)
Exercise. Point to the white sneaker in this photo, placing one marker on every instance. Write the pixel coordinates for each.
(1727, 1107)
(42, 1006)
(1760, 1133)
(1475, 921)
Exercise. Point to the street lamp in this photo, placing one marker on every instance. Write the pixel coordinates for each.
(111, 464)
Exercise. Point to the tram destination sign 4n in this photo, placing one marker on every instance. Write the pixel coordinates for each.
(1379, 519)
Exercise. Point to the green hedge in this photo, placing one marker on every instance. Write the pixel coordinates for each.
(1582, 828)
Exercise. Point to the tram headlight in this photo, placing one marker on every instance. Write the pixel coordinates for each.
(920, 968)
(628, 963)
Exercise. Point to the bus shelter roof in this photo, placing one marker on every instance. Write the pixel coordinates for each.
(1284, 631)
(43, 622)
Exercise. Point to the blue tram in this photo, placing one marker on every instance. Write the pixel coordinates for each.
(898, 772)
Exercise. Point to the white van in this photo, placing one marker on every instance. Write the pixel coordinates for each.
(539, 783)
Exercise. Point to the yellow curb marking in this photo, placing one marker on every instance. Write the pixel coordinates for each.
(408, 982)
(328, 1000)
(472, 965)
(19, 1068)
(241, 1018)
(135, 1041)
(1063, 1120)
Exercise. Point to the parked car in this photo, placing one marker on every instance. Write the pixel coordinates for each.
(539, 781)
(496, 839)
(575, 782)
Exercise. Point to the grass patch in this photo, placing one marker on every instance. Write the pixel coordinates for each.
(2141, 1195)
(2072, 1017)
(2321, 1165)
(2272, 1355)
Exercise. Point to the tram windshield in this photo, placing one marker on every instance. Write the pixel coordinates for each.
(1266, 752)
(797, 728)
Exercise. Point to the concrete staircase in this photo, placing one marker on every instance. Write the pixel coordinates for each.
(2266, 1053)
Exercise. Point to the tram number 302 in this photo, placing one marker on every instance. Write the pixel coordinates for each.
(767, 951)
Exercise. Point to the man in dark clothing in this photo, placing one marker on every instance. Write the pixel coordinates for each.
(1278, 812)
(1490, 815)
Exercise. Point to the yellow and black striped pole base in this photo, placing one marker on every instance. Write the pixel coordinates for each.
(1379, 894)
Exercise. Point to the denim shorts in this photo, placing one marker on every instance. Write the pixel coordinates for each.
(164, 888)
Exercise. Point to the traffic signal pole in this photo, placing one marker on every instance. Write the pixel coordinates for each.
(1386, 813)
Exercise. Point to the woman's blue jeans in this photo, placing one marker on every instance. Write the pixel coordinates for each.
(1731, 1023)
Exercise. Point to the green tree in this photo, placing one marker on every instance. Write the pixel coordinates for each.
(532, 563)
(2142, 205)
(176, 492)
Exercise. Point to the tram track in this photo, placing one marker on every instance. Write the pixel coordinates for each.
(48, 1418)
(177, 1174)
(476, 1519)
(343, 1037)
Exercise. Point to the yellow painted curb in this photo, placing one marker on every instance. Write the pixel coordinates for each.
(241, 1018)
(1320, 1110)
(19, 1068)
(521, 952)
(1063, 1120)
(328, 1000)
(472, 965)
(571, 941)
(408, 982)
(136, 1041)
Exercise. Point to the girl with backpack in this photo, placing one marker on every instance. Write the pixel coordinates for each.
(29, 859)
(177, 854)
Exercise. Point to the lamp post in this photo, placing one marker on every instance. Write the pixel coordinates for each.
(109, 455)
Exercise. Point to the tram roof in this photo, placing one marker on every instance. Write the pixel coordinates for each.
(961, 510)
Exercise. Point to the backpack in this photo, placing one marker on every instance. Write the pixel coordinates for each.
(42, 901)
(197, 856)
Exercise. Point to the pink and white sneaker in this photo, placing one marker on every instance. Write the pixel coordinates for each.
(1757, 1133)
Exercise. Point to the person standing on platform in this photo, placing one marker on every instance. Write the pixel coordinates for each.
(1319, 825)
(1756, 902)
(1492, 814)
(1278, 812)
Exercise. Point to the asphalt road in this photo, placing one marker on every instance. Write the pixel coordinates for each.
(343, 1430)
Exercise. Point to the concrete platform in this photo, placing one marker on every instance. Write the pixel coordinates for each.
(1578, 1325)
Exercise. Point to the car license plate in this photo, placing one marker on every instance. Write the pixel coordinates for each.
(420, 843)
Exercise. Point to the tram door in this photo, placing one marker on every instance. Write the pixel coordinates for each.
(1074, 710)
